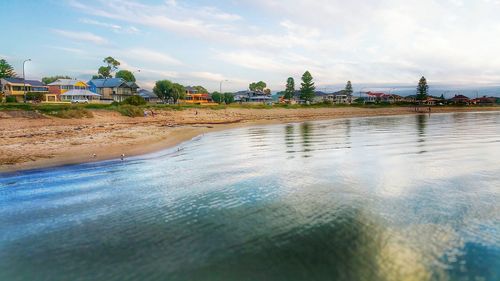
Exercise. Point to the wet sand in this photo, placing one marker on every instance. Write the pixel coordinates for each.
(29, 140)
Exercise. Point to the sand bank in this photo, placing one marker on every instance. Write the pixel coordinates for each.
(29, 141)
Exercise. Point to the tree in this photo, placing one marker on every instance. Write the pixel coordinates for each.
(6, 70)
(348, 88)
(51, 79)
(106, 71)
(201, 89)
(163, 89)
(125, 75)
(290, 88)
(135, 100)
(166, 90)
(218, 97)
(257, 86)
(307, 87)
(228, 98)
(112, 63)
(178, 92)
(422, 89)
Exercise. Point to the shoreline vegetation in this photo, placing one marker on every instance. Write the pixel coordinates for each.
(49, 135)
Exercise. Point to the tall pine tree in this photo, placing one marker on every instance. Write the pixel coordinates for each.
(290, 88)
(307, 87)
(348, 88)
(422, 89)
(6, 70)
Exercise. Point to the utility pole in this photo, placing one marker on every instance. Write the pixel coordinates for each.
(24, 80)
(220, 89)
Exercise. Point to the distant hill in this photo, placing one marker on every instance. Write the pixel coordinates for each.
(435, 90)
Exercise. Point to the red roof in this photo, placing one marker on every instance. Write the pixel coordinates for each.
(460, 97)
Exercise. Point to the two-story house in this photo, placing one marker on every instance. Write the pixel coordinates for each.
(17, 87)
(115, 89)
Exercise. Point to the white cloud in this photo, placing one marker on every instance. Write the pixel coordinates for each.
(365, 41)
(114, 27)
(111, 26)
(81, 36)
(67, 49)
(149, 55)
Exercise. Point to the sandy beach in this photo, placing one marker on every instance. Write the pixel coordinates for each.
(30, 140)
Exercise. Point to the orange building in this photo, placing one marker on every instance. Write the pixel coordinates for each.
(193, 97)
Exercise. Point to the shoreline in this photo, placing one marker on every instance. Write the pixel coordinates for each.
(31, 143)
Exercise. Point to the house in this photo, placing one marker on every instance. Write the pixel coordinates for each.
(484, 100)
(340, 97)
(410, 98)
(319, 96)
(79, 96)
(432, 101)
(194, 97)
(17, 87)
(373, 97)
(148, 96)
(252, 97)
(460, 100)
(115, 89)
(61, 86)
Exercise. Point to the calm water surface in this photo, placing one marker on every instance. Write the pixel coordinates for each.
(392, 198)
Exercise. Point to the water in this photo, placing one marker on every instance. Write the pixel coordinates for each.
(391, 198)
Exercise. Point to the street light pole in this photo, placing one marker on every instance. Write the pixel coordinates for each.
(220, 89)
(24, 80)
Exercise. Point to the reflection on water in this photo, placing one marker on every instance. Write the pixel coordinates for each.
(392, 198)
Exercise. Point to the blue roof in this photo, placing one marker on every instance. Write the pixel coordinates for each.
(146, 94)
(20, 81)
(107, 83)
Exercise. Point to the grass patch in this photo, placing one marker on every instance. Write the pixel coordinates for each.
(72, 113)
(130, 110)
(16, 106)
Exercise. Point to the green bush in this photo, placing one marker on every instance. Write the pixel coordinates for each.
(34, 96)
(10, 99)
(73, 113)
(135, 100)
(130, 110)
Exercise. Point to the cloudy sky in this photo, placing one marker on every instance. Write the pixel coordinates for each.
(203, 42)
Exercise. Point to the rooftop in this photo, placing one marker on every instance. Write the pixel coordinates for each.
(107, 83)
(21, 81)
(65, 82)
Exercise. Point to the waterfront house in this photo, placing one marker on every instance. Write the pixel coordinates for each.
(61, 86)
(484, 100)
(148, 96)
(80, 96)
(340, 97)
(410, 98)
(194, 97)
(17, 87)
(432, 101)
(460, 100)
(248, 96)
(319, 96)
(113, 89)
(373, 97)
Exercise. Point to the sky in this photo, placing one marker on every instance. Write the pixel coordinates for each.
(379, 43)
